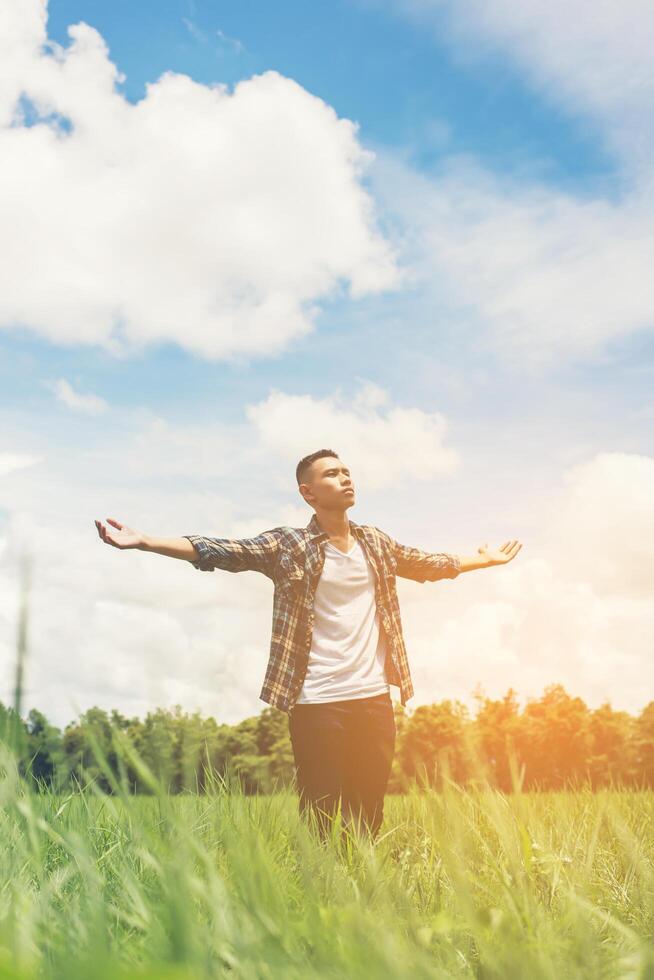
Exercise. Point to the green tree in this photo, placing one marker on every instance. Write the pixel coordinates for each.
(434, 742)
(644, 746)
(398, 779)
(554, 740)
(496, 726)
(154, 741)
(612, 758)
(44, 752)
(13, 731)
(82, 762)
(274, 744)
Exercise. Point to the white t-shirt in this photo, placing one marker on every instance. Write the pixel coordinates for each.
(348, 651)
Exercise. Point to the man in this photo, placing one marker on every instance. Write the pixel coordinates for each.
(337, 640)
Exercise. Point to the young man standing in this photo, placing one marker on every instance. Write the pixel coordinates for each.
(337, 640)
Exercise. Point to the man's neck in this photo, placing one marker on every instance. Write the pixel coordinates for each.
(334, 522)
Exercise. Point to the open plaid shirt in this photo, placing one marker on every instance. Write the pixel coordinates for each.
(293, 558)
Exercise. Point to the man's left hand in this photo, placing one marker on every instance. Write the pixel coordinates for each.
(501, 555)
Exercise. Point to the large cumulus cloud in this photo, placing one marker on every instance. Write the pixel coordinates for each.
(210, 218)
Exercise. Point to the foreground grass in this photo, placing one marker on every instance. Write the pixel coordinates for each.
(464, 883)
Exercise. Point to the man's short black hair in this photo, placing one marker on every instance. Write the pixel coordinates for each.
(306, 461)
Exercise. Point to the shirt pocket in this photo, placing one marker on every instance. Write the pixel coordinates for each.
(289, 574)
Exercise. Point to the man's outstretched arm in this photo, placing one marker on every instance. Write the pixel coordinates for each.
(424, 566)
(121, 536)
(205, 553)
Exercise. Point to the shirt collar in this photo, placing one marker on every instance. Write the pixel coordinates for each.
(316, 532)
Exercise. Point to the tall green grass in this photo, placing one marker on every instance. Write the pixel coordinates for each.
(469, 883)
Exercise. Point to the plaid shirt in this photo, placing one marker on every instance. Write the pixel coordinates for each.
(293, 558)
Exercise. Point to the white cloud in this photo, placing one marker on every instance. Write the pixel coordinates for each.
(594, 58)
(89, 403)
(9, 462)
(202, 37)
(213, 219)
(382, 443)
(575, 606)
(231, 42)
(196, 32)
(545, 277)
(602, 523)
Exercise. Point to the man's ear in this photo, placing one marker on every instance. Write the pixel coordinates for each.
(307, 494)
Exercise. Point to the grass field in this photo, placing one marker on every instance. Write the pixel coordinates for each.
(463, 883)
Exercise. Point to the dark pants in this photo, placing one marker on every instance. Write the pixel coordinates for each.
(343, 752)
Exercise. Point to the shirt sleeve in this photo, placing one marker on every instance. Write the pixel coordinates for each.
(424, 566)
(256, 554)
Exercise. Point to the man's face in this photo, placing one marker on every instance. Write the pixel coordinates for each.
(328, 484)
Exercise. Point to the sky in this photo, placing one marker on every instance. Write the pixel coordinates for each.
(415, 231)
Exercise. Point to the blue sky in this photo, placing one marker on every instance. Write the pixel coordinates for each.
(467, 314)
(400, 84)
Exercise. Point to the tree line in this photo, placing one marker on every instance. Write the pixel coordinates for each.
(555, 742)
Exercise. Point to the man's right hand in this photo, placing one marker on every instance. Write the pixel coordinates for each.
(122, 537)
